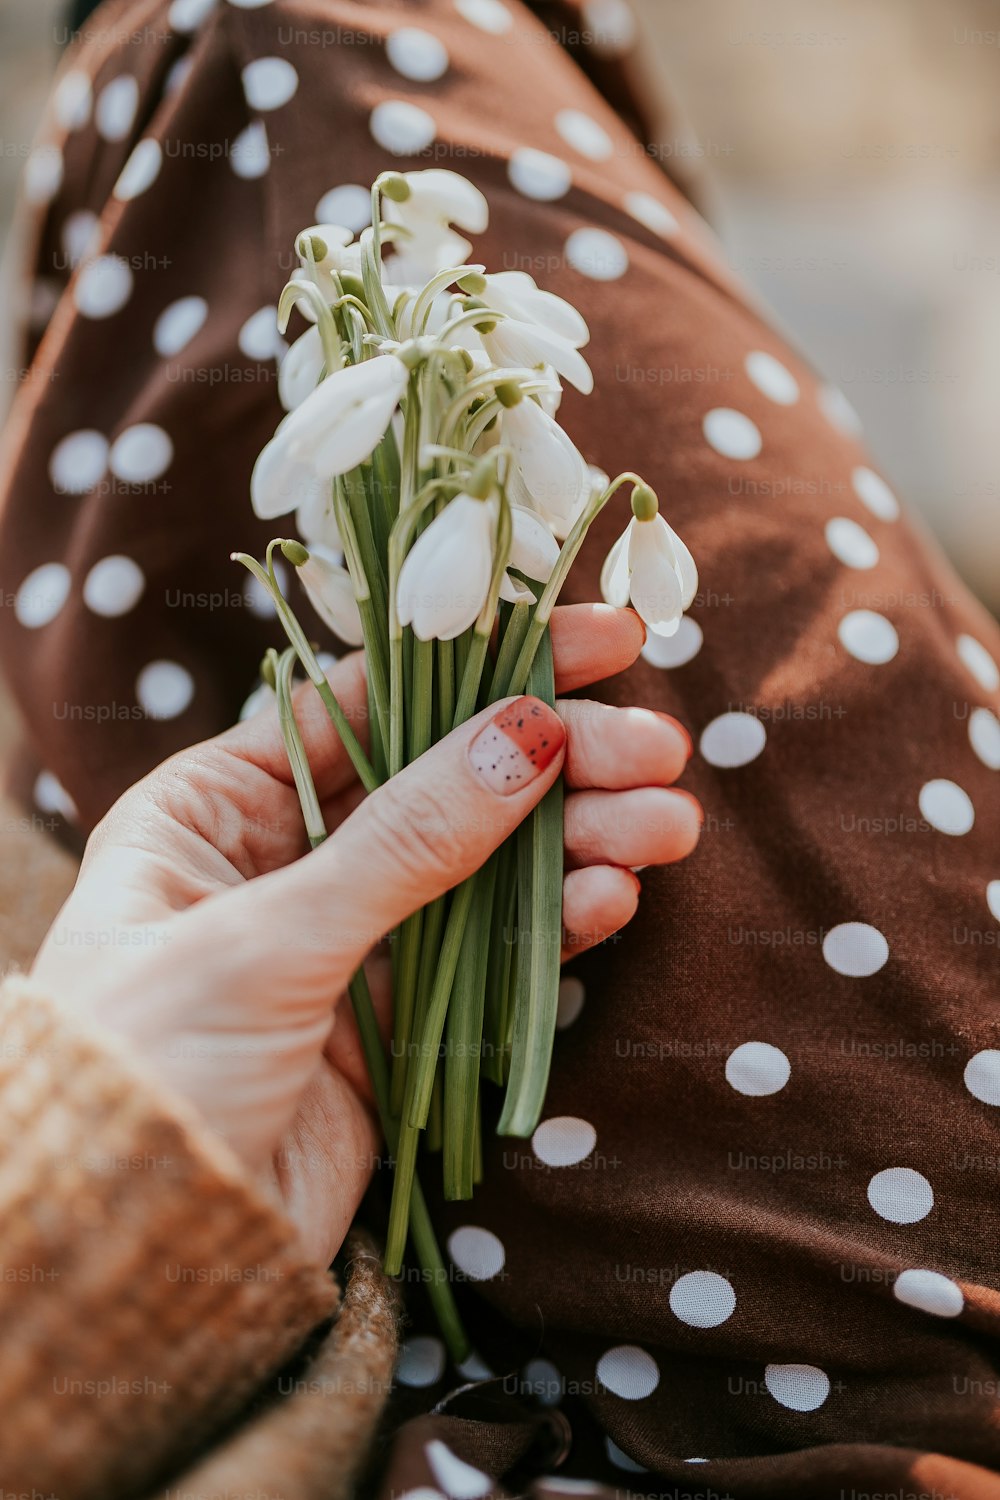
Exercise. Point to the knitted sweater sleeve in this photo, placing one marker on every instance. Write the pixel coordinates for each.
(147, 1288)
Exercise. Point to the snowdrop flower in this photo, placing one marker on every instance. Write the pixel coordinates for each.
(517, 295)
(334, 429)
(337, 253)
(445, 577)
(513, 342)
(651, 566)
(329, 590)
(426, 205)
(299, 371)
(549, 463)
(534, 552)
(315, 521)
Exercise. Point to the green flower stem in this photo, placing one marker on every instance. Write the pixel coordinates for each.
(312, 669)
(501, 944)
(475, 662)
(446, 687)
(550, 593)
(464, 1041)
(472, 676)
(425, 1246)
(421, 1075)
(540, 881)
(510, 646)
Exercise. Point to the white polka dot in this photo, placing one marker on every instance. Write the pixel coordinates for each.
(621, 1460)
(850, 543)
(993, 898)
(930, 1292)
(901, 1195)
(543, 1381)
(140, 171)
(610, 27)
(868, 637)
(474, 1368)
(79, 462)
(401, 128)
(982, 1075)
(597, 254)
(674, 650)
(976, 659)
(477, 1252)
(43, 174)
(187, 15)
(141, 453)
(249, 4)
(984, 736)
(349, 204)
(103, 286)
(116, 106)
(652, 213)
(113, 586)
(80, 235)
(838, 411)
(421, 1362)
(489, 15)
(702, 1299)
(73, 99)
(563, 1141)
(799, 1387)
(259, 337)
(571, 998)
(771, 377)
(177, 325)
(249, 155)
(872, 490)
(178, 74)
(733, 739)
(417, 54)
(584, 134)
(52, 797)
(757, 1068)
(42, 595)
(458, 1479)
(855, 949)
(731, 433)
(164, 689)
(538, 175)
(269, 82)
(629, 1372)
(946, 807)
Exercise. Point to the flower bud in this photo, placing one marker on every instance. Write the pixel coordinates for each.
(509, 394)
(644, 503)
(268, 669)
(295, 552)
(474, 283)
(393, 185)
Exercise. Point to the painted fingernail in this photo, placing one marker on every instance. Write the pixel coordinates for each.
(516, 745)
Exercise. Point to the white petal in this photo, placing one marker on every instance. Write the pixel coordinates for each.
(534, 550)
(517, 343)
(515, 293)
(331, 594)
(278, 482)
(514, 592)
(683, 562)
(341, 422)
(654, 587)
(445, 576)
(300, 369)
(446, 197)
(614, 574)
(315, 521)
(551, 466)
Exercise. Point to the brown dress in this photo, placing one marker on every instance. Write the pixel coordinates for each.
(752, 1250)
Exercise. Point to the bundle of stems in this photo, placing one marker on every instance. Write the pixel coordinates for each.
(431, 483)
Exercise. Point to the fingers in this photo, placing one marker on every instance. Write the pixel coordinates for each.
(596, 903)
(593, 641)
(647, 826)
(413, 839)
(258, 739)
(621, 747)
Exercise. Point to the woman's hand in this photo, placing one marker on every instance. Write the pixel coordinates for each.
(199, 932)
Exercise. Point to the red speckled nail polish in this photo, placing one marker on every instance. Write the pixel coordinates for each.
(517, 744)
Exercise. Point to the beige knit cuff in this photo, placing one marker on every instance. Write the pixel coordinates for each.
(147, 1289)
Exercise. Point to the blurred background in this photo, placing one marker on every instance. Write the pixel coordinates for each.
(848, 154)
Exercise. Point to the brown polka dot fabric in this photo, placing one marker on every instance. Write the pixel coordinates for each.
(752, 1248)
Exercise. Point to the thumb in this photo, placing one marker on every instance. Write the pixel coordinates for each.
(411, 840)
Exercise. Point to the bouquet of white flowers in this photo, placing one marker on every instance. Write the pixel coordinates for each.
(440, 507)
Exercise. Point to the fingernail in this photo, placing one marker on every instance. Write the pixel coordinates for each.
(516, 745)
(681, 730)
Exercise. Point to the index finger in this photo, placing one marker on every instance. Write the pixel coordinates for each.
(593, 641)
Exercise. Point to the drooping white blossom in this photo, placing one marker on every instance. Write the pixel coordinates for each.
(650, 566)
(330, 591)
(445, 578)
(534, 552)
(549, 463)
